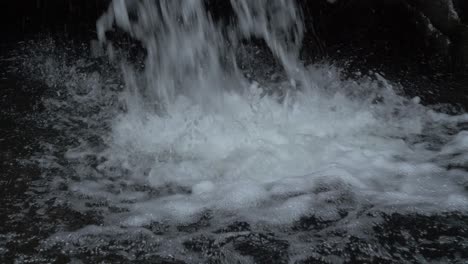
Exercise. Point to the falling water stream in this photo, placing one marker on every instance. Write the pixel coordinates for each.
(204, 148)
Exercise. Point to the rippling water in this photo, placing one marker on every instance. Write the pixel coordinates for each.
(206, 149)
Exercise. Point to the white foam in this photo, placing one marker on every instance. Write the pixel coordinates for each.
(254, 151)
(206, 140)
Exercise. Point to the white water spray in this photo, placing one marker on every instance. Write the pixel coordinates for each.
(198, 138)
(235, 149)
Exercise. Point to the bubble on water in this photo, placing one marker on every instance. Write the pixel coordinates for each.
(190, 139)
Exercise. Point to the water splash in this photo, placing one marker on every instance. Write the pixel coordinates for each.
(207, 139)
(199, 141)
(188, 54)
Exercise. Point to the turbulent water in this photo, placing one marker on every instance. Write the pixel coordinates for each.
(211, 142)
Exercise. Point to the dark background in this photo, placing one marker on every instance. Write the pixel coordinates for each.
(385, 26)
(25, 18)
(360, 23)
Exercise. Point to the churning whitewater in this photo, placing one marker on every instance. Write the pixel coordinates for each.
(207, 129)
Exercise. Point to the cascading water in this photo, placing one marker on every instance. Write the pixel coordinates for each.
(189, 55)
(193, 146)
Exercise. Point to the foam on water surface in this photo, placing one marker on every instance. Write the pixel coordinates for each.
(227, 144)
(262, 154)
(189, 137)
(274, 161)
